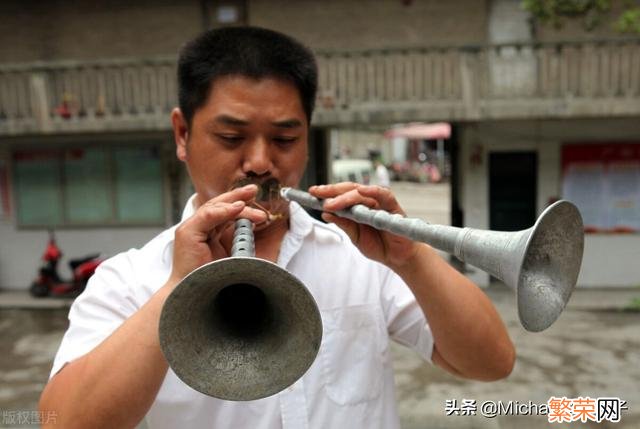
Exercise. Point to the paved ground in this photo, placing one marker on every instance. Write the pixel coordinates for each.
(592, 350)
(429, 202)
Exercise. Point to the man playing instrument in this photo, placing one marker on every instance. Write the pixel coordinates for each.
(246, 99)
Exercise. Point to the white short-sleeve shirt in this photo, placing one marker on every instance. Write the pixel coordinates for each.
(350, 384)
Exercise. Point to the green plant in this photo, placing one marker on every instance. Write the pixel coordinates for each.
(634, 304)
(629, 21)
(591, 12)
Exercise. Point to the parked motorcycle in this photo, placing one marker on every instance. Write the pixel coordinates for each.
(49, 283)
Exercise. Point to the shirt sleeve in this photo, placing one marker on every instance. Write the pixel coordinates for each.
(104, 305)
(406, 323)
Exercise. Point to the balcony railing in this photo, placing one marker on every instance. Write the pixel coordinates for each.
(109, 94)
(498, 81)
(457, 83)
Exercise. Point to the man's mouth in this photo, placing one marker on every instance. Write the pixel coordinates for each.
(268, 190)
(268, 198)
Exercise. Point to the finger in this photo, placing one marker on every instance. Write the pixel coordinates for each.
(256, 216)
(348, 199)
(211, 215)
(221, 229)
(351, 228)
(245, 193)
(335, 189)
(385, 198)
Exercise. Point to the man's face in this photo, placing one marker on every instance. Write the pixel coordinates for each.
(247, 128)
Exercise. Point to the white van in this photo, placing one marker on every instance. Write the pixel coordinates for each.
(352, 170)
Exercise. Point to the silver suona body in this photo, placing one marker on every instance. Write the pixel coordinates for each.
(240, 328)
(541, 264)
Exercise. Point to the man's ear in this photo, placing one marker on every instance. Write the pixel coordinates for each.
(180, 133)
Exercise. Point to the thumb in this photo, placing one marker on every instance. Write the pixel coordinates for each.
(351, 228)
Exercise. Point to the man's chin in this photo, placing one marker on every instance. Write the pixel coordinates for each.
(261, 226)
(268, 224)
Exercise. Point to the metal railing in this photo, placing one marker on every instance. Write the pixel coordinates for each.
(49, 96)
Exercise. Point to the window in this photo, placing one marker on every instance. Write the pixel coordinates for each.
(603, 180)
(89, 186)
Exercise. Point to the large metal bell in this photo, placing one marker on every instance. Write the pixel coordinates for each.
(240, 329)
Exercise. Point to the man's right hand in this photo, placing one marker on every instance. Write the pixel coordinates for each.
(200, 238)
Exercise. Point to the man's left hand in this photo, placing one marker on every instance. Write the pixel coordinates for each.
(390, 249)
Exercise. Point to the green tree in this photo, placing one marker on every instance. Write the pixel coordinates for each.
(591, 12)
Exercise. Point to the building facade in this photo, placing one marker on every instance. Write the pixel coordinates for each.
(86, 91)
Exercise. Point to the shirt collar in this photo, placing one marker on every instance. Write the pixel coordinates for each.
(189, 208)
(300, 222)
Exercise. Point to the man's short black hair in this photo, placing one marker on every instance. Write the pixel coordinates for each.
(247, 51)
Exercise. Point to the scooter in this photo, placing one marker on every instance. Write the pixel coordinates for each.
(49, 283)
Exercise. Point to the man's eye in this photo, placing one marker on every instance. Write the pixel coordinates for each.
(230, 138)
(285, 139)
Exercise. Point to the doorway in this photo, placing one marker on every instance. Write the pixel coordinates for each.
(512, 190)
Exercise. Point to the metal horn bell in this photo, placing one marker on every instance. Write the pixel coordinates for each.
(240, 328)
(541, 263)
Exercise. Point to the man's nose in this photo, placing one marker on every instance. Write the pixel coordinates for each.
(257, 158)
